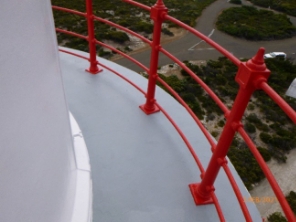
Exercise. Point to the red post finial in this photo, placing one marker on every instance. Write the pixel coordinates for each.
(159, 4)
(257, 62)
(258, 58)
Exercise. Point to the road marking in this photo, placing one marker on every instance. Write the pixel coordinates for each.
(209, 35)
(191, 48)
(212, 32)
(205, 49)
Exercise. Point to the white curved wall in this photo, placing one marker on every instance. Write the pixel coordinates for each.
(37, 164)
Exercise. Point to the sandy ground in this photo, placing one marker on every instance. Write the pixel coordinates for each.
(285, 174)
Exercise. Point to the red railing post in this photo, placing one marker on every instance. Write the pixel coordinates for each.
(93, 68)
(249, 77)
(158, 11)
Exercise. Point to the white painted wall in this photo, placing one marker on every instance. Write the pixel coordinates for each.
(37, 164)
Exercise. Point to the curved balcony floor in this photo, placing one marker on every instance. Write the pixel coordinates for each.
(141, 168)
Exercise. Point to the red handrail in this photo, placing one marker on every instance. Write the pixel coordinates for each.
(123, 54)
(123, 29)
(277, 190)
(138, 4)
(198, 80)
(282, 103)
(247, 77)
(71, 33)
(69, 10)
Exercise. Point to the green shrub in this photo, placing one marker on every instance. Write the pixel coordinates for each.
(291, 198)
(142, 27)
(246, 165)
(264, 153)
(117, 36)
(276, 217)
(238, 2)
(105, 54)
(221, 123)
(266, 138)
(215, 134)
(167, 32)
(251, 106)
(250, 128)
(253, 118)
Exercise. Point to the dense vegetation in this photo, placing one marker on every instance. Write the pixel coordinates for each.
(238, 2)
(253, 24)
(275, 129)
(121, 13)
(286, 6)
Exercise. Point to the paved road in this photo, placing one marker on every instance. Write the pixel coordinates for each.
(201, 51)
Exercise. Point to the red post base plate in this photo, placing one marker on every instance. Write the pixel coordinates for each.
(150, 111)
(197, 199)
(94, 72)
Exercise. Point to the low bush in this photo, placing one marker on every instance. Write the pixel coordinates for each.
(117, 36)
(264, 153)
(238, 2)
(291, 198)
(276, 217)
(250, 128)
(167, 32)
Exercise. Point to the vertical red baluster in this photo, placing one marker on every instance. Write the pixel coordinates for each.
(93, 68)
(158, 11)
(249, 76)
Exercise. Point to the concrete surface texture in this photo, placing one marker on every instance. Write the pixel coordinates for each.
(141, 168)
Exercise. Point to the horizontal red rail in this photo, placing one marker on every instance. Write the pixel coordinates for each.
(198, 80)
(237, 193)
(124, 55)
(72, 33)
(274, 185)
(123, 29)
(69, 10)
(216, 202)
(198, 122)
(75, 54)
(138, 4)
(282, 103)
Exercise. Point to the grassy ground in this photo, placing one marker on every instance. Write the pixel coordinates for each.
(252, 24)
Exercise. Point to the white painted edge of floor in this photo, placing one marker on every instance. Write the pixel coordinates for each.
(82, 210)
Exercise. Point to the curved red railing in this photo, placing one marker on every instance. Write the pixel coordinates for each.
(252, 75)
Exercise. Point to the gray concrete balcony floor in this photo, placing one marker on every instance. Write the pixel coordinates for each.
(140, 166)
